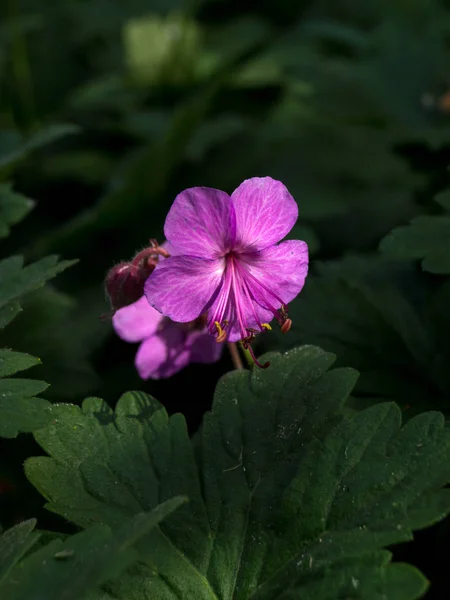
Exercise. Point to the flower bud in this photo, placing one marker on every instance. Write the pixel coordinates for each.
(124, 285)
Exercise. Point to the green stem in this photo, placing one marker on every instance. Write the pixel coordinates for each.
(248, 356)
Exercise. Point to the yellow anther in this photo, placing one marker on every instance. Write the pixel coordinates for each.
(221, 333)
(266, 326)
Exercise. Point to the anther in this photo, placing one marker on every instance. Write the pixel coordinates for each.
(221, 333)
(286, 326)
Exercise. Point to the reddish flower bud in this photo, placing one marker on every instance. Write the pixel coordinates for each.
(124, 283)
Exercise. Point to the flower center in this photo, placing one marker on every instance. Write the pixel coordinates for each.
(240, 294)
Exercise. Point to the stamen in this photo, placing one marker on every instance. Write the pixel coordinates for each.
(221, 333)
(286, 326)
(266, 326)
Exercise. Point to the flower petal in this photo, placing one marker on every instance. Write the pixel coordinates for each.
(277, 273)
(203, 347)
(181, 286)
(164, 354)
(137, 321)
(265, 213)
(233, 307)
(201, 222)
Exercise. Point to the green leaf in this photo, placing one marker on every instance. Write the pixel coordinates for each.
(70, 568)
(360, 308)
(21, 411)
(13, 208)
(18, 280)
(443, 198)
(426, 238)
(12, 362)
(67, 366)
(13, 544)
(8, 312)
(21, 148)
(287, 498)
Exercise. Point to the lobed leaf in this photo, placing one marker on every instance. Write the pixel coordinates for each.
(287, 497)
(72, 567)
(426, 238)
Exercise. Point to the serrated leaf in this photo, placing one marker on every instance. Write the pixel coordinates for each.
(66, 365)
(22, 413)
(13, 544)
(288, 499)
(17, 280)
(20, 410)
(12, 362)
(426, 238)
(70, 568)
(13, 208)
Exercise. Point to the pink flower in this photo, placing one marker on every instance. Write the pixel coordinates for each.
(166, 347)
(227, 262)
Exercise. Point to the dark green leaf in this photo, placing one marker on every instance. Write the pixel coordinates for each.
(13, 208)
(443, 198)
(12, 362)
(8, 312)
(291, 499)
(18, 280)
(427, 238)
(22, 148)
(13, 544)
(70, 568)
(360, 308)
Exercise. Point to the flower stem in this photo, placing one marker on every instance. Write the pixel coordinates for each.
(248, 356)
(235, 356)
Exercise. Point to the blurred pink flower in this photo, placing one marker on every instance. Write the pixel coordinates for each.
(166, 347)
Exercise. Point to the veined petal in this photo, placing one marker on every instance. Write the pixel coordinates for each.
(276, 274)
(233, 308)
(164, 354)
(265, 213)
(201, 222)
(136, 321)
(181, 286)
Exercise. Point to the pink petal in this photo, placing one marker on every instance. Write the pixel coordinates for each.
(201, 222)
(265, 213)
(181, 286)
(277, 273)
(137, 321)
(233, 306)
(163, 355)
(203, 347)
